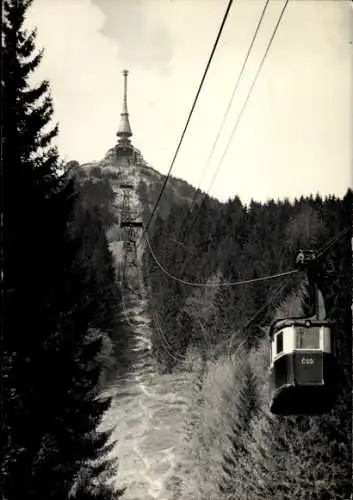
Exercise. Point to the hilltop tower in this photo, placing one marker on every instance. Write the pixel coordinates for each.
(124, 147)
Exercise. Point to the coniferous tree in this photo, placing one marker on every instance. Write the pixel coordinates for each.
(279, 458)
(51, 410)
(29, 179)
(239, 437)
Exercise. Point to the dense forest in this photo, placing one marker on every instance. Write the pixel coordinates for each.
(60, 300)
(64, 338)
(239, 448)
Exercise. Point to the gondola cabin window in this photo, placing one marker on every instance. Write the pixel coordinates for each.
(282, 343)
(303, 379)
(308, 338)
(279, 343)
(303, 367)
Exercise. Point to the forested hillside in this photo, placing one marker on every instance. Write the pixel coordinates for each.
(239, 448)
(233, 447)
(177, 191)
(67, 338)
(59, 298)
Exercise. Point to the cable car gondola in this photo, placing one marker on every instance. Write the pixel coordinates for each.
(303, 367)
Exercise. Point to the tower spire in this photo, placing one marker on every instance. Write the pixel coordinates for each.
(124, 132)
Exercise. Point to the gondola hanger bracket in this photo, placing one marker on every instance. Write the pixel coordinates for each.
(304, 259)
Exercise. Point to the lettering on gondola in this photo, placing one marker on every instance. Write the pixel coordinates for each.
(303, 354)
(307, 361)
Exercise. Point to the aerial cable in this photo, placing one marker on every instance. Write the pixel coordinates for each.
(158, 328)
(170, 350)
(320, 253)
(333, 241)
(241, 113)
(323, 250)
(249, 93)
(225, 115)
(213, 285)
(274, 295)
(278, 290)
(190, 114)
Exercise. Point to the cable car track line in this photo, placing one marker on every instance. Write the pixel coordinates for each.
(241, 111)
(333, 241)
(225, 115)
(321, 252)
(267, 304)
(213, 285)
(169, 349)
(190, 113)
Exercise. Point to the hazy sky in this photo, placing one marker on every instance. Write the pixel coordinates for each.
(295, 135)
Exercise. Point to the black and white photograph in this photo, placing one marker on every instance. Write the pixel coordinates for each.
(176, 249)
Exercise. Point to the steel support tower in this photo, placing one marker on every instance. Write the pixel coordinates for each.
(130, 222)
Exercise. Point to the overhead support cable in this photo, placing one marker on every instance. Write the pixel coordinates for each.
(324, 249)
(259, 311)
(333, 241)
(225, 116)
(319, 254)
(190, 114)
(240, 114)
(213, 285)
